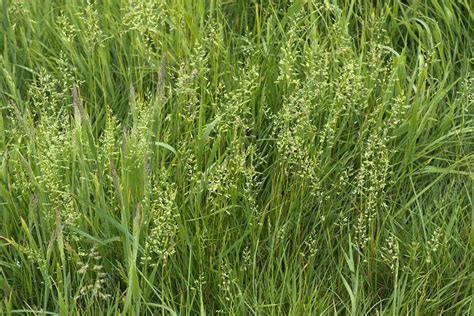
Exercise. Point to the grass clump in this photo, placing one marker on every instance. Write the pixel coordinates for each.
(264, 157)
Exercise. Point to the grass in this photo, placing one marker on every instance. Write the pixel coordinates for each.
(237, 157)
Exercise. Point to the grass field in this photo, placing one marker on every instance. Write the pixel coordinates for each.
(238, 157)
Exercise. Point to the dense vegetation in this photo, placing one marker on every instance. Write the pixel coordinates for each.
(241, 157)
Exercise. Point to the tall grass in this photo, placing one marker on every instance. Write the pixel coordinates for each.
(236, 157)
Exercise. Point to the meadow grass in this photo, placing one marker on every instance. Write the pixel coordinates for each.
(241, 157)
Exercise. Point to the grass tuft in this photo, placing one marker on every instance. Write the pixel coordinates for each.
(236, 157)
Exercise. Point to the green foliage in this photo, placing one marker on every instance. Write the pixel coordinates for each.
(236, 157)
